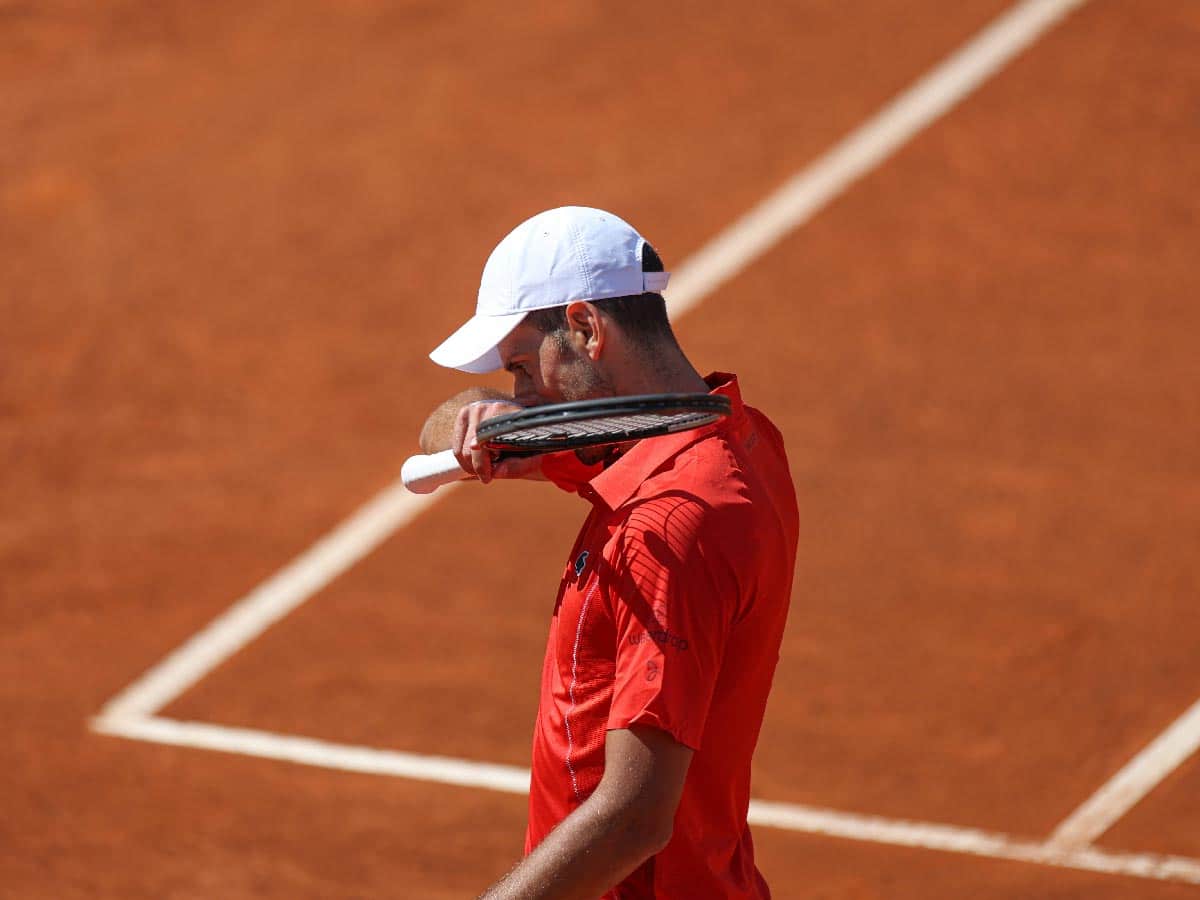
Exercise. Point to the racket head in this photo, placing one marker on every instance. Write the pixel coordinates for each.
(608, 420)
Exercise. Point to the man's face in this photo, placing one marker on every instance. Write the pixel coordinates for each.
(547, 368)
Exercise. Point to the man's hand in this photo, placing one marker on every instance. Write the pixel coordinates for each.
(453, 424)
(475, 459)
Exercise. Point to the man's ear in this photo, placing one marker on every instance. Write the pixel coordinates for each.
(588, 329)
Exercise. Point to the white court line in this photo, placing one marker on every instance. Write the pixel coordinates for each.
(131, 713)
(249, 617)
(1137, 779)
(861, 151)
(786, 816)
(953, 839)
(312, 752)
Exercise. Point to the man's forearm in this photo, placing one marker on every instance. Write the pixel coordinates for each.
(591, 850)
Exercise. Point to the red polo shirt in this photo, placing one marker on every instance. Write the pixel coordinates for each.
(670, 614)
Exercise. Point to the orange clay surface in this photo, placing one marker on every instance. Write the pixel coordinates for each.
(230, 232)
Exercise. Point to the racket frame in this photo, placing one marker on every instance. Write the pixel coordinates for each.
(491, 432)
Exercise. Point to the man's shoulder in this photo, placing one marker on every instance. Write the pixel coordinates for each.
(725, 478)
(701, 493)
(733, 463)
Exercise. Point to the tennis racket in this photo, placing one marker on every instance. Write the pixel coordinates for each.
(570, 426)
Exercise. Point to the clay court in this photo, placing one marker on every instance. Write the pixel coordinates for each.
(949, 247)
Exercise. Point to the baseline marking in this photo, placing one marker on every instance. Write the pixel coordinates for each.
(786, 816)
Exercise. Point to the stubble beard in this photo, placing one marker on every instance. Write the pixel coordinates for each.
(581, 380)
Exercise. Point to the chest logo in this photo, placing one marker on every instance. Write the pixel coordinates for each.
(581, 563)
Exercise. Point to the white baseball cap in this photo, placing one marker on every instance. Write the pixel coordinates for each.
(559, 256)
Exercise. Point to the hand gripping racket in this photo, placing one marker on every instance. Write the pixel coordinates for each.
(570, 426)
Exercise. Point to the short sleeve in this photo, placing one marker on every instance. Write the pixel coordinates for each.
(674, 602)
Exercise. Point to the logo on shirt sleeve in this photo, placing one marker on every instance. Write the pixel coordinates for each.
(581, 563)
(657, 629)
(660, 636)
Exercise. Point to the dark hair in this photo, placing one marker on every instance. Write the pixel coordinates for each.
(643, 317)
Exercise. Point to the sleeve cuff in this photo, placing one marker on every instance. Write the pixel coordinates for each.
(647, 717)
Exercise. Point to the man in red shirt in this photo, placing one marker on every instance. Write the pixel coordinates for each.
(668, 621)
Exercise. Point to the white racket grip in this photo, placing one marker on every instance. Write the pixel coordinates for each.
(425, 474)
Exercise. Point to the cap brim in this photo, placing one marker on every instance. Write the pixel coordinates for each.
(473, 347)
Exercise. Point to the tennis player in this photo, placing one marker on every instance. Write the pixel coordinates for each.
(667, 626)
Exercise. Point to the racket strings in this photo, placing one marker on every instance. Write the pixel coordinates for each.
(620, 426)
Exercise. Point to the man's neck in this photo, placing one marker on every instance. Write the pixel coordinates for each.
(673, 375)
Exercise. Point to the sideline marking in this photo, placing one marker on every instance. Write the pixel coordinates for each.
(806, 193)
(785, 816)
(372, 524)
(131, 713)
(1134, 781)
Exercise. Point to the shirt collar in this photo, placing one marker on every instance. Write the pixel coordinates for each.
(620, 481)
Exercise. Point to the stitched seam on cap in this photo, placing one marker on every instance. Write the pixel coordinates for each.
(581, 249)
(513, 282)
